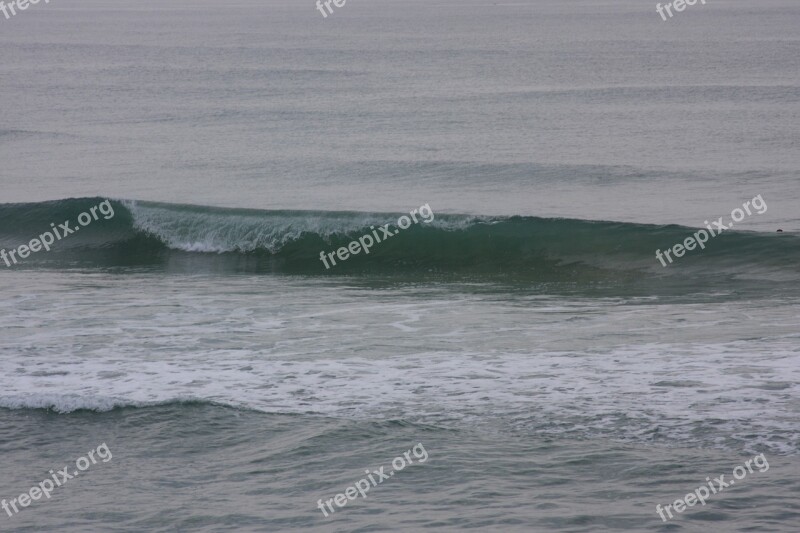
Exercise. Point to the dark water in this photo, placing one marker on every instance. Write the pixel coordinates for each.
(196, 467)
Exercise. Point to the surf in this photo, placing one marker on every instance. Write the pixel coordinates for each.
(153, 234)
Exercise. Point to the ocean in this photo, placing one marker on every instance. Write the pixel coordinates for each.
(202, 348)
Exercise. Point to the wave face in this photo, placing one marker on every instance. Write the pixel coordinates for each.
(529, 248)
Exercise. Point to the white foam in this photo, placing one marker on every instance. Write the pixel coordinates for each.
(630, 393)
(573, 367)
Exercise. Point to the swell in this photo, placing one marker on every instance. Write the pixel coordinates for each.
(152, 234)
